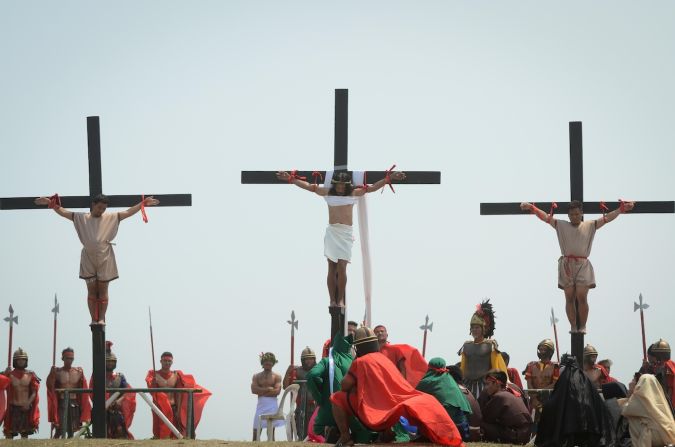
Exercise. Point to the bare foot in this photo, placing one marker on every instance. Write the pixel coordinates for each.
(342, 442)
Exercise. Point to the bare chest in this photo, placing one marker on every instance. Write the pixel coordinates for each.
(265, 379)
(68, 378)
(21, 383)
(169, 382)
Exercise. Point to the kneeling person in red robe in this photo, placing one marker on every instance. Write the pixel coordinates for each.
(376, 393)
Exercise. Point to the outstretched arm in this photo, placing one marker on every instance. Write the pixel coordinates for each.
(44, 201)
(526, 206)
(149, 201)
(286, 177)
(398, 176)
(626, 206)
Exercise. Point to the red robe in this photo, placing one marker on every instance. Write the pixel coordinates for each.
(514, 376)
(128, 405)
(381, 396)
(35, 410)
(159, 429)
(82, 399)
(415, 365)
(4, 383)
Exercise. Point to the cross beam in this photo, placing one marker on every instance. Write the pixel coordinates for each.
(576, 193)
(95, 184)
(95, 188)
(340, 162)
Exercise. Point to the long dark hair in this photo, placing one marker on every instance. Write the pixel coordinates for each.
(342, 177)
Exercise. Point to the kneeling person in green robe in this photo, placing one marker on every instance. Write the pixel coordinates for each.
(443, 387)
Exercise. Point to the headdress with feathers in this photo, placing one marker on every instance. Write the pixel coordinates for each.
(484, 316)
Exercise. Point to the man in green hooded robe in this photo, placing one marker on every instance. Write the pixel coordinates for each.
(443, 387)
(323, 380)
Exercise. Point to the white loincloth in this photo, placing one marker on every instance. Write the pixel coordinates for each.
(338, 242)
(266, 405)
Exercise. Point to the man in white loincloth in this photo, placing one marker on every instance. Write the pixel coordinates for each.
(267, 386)
(575, 272)
(96, 231)
(338, 241)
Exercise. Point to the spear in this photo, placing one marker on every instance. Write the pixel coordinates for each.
(426, 326)
(11, 319)
(554, 320)
(152, 345)
(294, 325)
(55, 309)
(642, 306)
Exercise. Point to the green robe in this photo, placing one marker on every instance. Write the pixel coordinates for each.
(318, 386)
(443, 387)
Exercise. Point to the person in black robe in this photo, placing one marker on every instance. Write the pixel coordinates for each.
(575, 413)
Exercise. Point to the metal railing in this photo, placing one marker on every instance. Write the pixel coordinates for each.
(190, 425)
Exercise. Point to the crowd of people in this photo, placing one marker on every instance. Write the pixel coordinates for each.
(365, 389)
(69, 412)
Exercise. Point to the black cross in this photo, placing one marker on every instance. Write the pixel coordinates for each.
(577, 193)
(340, 164)
(95, 188)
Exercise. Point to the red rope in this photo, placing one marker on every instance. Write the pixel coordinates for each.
(143, 215)
(294, 175)
(315, 175)
(387, 178)
(605, 210)
(54, 201)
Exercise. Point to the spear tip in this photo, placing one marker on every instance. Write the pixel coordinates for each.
(11, 309)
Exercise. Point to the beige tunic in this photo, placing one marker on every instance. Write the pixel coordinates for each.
(96, 234)
(574, 268)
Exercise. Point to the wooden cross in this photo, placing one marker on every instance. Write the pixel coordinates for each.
(340, 159)
(95, 188)
(577, 193)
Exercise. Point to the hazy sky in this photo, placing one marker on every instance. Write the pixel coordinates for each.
(192, 93)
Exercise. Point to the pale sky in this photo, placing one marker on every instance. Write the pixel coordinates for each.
(192, 93)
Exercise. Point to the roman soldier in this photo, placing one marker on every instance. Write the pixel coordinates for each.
(481, 354)
(79, 406)
(22, 416)
(597, 374)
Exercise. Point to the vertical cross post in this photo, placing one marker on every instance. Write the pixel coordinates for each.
(98, 419)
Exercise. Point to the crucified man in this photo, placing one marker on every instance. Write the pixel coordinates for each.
(96, 231)
(575, 272)
(338, 241)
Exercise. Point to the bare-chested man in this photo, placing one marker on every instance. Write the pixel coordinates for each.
(169, 403)
(596, 373)
(267, 386)
(79, 409)
(541, 374)
(22, 416)
(575, 272)
(96, 231)
(338, 240)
